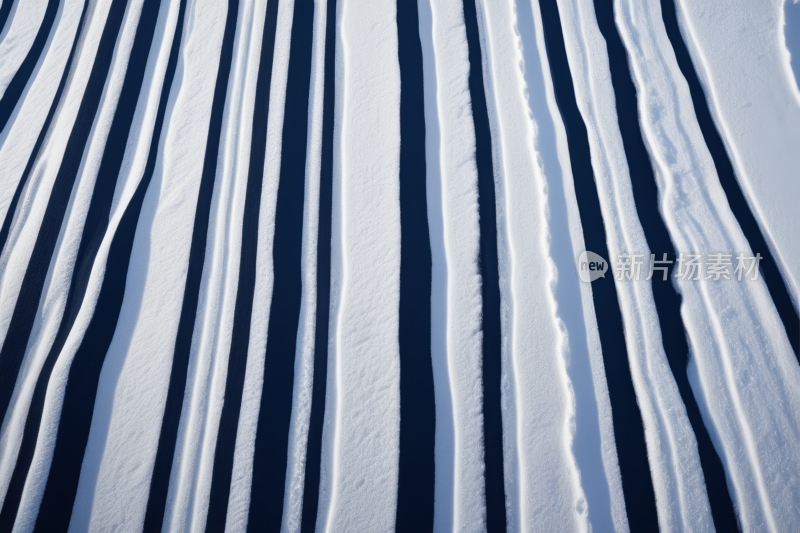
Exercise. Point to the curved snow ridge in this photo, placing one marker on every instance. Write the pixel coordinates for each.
(682, 502)
(30, 211)
(456, 348)
(57, 284)
(740, 59)
(542, 480)
(18, 38)
(190, 484)
(306, 334)
(731, 344)
(359, 482)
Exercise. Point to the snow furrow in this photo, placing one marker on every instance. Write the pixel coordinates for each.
(591, 429)
(10, 149)
(541, 476)
(190, 484)
(456, 293)
(55, 282)
(22, 141)
(672, 450)
(18, 39)
(730, 345)
(361, 437)
(740, 59)
(304, 360)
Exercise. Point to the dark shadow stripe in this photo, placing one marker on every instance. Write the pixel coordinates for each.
(17, 84)
(272, 435)
(84, 374)
(667, 299)
(490, 283)
(5, 9)
(9, 367)
(159, 482)
(316, 420)
(417, 404)
(33, 282)
(237, 358)
(85, 370)
(637, 484)
(727, 178)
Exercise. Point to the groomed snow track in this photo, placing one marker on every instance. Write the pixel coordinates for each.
(298, 265)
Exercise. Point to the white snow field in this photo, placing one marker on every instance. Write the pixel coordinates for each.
(561, 468)
(741, 59)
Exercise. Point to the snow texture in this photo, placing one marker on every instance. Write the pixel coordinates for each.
(452, 188)
(741, 59)
(362, 427)
(742, 370)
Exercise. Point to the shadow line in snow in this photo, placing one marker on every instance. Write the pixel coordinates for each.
(318, 392)
(666, 297)
(7, 375)
(159, 483)
(587, 443)
(730, 184)
(30, 293)
(415, 493)
(20, 80)
(628, 428)
(490, 283)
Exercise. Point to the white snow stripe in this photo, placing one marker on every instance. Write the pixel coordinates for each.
(591, 429)
(26, 229)
(361, 434)
(681, 498)
(17, 143)
(456, 347)
(21, 132)
(542, 481)
(122, 441)
(740, 58)
(21, 28)
(742, 370)
(306, 334)
(190, 484)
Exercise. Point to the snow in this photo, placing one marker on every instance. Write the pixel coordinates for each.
(22, 130)
(361, 434)
(190, 483)
(304, 359)
(592, 430)
(542, 477)
(560, 457)
(24, 231)
(682, 502)
(740, 56)
(742, 370)
(452, 187)
(20, 32)
(17, 142)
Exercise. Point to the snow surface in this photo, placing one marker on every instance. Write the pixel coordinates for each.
(452, 190)
(361, 433)
(18, 36)
(594, 448)
(190, 483)
(560, 457)
(682, 502)
(24, 232)
(742, 370)
(741, 59)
